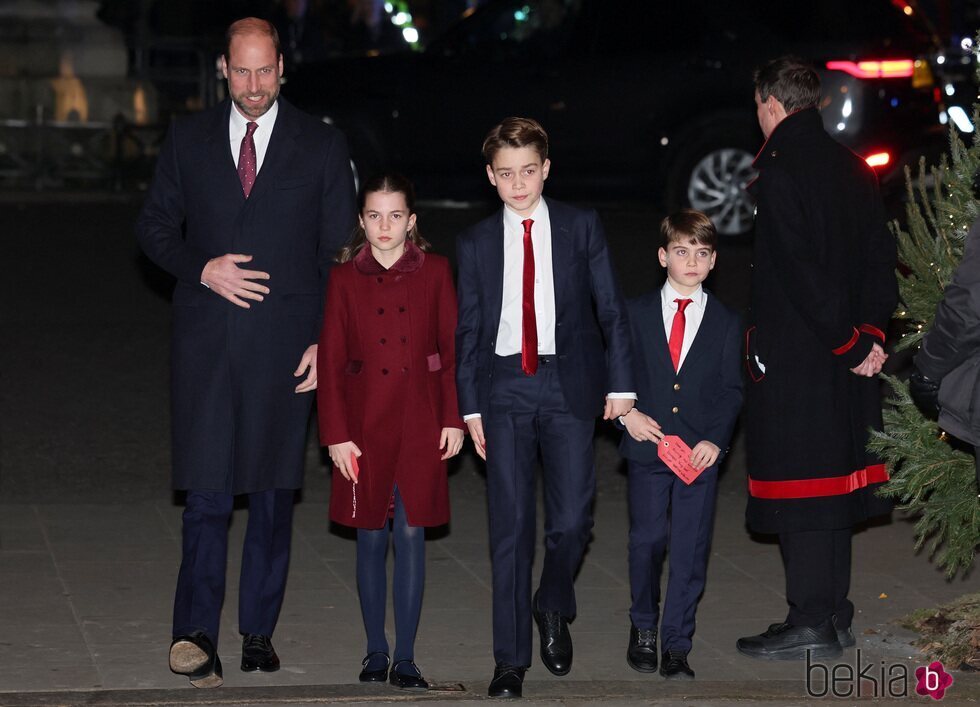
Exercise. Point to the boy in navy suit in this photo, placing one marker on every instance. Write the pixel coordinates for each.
(542, 343)
(688, 357)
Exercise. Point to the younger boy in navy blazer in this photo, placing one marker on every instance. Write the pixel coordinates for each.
(687, 351)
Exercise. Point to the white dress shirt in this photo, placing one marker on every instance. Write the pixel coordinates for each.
(693, 314)
(510, 330)
(263, 133)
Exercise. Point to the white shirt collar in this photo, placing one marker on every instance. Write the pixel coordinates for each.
(668, 294)
(513, 221)
(266, 121)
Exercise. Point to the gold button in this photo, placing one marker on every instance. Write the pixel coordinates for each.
(675, 409)
(677, 386)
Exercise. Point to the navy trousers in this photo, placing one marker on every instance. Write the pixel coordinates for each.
(664, 511)
(528, 414)
(265, 561)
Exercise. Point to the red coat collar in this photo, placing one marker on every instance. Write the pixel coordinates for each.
(410, 261)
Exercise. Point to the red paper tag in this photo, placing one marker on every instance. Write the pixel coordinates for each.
(354, 468)
(677, 455)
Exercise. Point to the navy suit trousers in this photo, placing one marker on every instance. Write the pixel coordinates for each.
(528, 414)
(265, 561)
(653, 491)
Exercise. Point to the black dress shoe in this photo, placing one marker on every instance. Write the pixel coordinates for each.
(641, 654)
(787, 642)
(845, 637)
(405, 675)
(194, 655)
(674, 666)
(258, 654)
(556, 641)
(379, 675)
(508, 681)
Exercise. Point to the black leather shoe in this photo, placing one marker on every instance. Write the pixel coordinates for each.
(194, 655)
(674, 666)
(556, 641)
(508, 681)
(845, 637)
(641, 654)
(258, 654)
(379, 675)
(787, 642)
(405, 675)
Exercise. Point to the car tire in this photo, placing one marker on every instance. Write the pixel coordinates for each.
(712, 175)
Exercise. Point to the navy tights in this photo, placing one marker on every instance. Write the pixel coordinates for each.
(372, 582)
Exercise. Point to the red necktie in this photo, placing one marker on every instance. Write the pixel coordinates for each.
(676, 341)
(529, 324)
(246, 159)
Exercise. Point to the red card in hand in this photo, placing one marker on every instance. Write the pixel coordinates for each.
(677, 455)
(354, 468)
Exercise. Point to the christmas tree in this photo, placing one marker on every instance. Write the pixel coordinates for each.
(932, 477)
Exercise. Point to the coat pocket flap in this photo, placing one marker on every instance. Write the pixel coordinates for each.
(434, 362)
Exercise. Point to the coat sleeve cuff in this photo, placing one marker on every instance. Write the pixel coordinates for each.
(854, 351)
(874, 331)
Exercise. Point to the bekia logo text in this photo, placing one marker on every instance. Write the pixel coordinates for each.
(881, 679)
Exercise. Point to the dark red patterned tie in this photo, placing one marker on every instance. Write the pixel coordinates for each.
(676, 341)
(246, 159)
(529, 323)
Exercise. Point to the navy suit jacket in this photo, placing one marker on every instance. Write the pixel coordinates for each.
(702, 400)
(591, 325)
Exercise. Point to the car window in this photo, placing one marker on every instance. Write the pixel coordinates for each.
(536, 27)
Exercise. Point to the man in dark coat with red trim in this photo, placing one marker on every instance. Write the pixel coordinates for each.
(823, 290)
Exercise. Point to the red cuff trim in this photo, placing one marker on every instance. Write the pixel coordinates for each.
(814, 488)
(873, 331)
(840, 350)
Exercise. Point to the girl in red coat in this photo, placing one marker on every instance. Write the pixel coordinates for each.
(387, 410)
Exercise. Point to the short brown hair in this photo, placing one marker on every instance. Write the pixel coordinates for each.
(691, 225)
(251, 25)
(793, 81)
(516, 132)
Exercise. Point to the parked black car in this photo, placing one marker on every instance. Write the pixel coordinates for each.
(641, 98)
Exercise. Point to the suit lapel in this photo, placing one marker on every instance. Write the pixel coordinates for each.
(220, 149)
(492, 252)
(659, 338)
(561, 251)
(279, 154)
(704, 336)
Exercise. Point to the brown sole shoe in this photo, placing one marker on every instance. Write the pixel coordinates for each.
(208, 676)
(186, 657)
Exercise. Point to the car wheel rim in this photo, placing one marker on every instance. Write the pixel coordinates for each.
(718, 188)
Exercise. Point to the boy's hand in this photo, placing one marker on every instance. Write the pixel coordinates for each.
(475, 426)
(616, 407)
(340, 456)
(450, 440)
(642, 428)
(704, 454)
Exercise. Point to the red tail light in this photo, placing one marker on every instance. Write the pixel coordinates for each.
(878, 159)
(875, 69)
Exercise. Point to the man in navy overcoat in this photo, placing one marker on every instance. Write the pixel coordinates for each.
(250, 202)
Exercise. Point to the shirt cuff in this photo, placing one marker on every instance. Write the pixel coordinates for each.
(621, 396)
(472, 416)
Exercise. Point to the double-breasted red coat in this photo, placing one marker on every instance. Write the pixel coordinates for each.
(386, 381)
